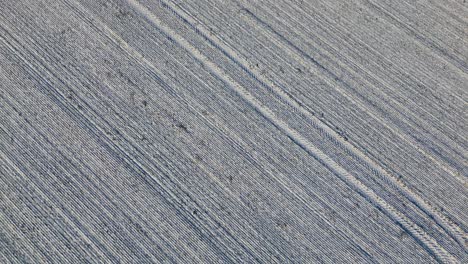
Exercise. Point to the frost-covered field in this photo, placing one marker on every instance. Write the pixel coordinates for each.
(233, 131)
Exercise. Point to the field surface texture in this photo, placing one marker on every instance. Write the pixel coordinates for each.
(233, 131)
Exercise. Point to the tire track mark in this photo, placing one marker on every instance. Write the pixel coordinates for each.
(451, 228)
(417, 232)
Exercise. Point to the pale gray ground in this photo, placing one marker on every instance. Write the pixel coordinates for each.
(233, 131)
